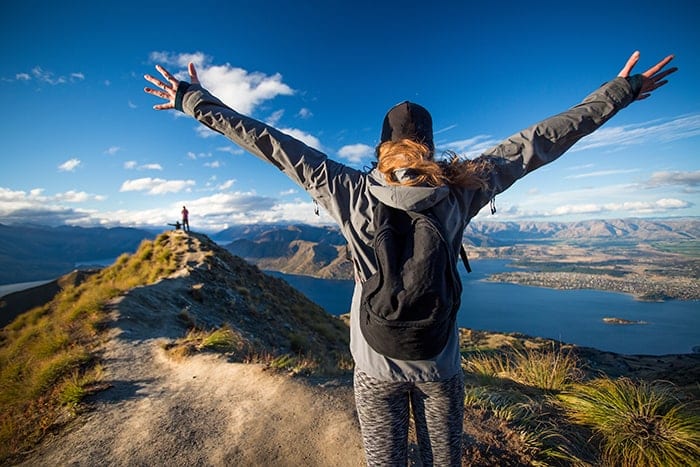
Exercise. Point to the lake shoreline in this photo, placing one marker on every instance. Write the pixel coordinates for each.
(641, 288)
(572, 316)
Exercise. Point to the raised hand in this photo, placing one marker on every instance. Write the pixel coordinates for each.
(653, 78)
(167, 90)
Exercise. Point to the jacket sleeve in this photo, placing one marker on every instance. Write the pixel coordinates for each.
(545, 141)
(327, 181)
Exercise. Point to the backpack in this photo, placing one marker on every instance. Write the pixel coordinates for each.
(409, 305)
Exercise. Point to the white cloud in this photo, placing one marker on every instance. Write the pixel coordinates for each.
(273, 119)
(242, 90)
(72, 196)
(213, 164)
(291, 191)
(684, 126)
(602, 173)
(18, 206)
(198, 155)
(8, 196)
(672, 203)
(662, 206)
(567, 209)
(689, 180)
(680, 127)
(581, 167)
(112, 150)
(305, 138)
(226, 185)
(443, 130)
(233, 150)
(297, 211)
(48, 77)
(208, 213)
(470, 147)
(355, 153)
(205, 132)
(156, 186)
(305, 113)
(220, 209)
(131, 165)
(150, 167)
(70, 165)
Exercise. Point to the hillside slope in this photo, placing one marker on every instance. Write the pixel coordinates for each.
(165, 400)
(207, 409)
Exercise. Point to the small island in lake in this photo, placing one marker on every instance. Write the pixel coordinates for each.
(609, 320)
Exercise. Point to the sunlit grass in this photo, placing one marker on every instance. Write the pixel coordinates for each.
(46, 360)
(542, 395)
(544, 369)
(638, 423)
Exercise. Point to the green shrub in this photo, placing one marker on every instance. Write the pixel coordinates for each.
(549, 370)
(221, 340)
(638, 423)
(73, 391)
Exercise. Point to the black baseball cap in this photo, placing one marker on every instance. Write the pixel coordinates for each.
(408, 120)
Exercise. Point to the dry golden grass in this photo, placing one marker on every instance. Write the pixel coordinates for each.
(46, 363)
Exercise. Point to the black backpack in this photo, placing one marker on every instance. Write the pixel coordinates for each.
(409, 306)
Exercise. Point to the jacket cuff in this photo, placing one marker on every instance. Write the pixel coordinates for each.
(181, 90)
(635, 82)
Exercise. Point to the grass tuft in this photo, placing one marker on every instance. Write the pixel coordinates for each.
(549, 370)
(638, 423)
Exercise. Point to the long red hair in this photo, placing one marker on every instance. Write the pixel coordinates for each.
(417, 158)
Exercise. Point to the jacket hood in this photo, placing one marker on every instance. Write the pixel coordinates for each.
(407, 198)
(408, 120)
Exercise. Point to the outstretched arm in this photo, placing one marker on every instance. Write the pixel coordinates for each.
(545, 141)
(327, 181)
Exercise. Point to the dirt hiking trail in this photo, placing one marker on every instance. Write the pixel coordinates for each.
(203, 411)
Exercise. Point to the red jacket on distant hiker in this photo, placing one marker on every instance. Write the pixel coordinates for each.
(185, 219)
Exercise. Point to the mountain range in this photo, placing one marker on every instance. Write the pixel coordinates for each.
(321, 252)
(30, 253)
(36, 252)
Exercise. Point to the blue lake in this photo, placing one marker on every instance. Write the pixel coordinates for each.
(573, 316)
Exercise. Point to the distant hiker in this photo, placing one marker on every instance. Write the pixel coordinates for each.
(407, 177)
(185, 219)
(176, 225)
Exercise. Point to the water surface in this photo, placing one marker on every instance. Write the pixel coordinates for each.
(574, 316)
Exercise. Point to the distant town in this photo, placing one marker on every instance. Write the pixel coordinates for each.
(651, 288)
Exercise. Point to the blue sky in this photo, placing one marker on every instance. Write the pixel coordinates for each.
(81, 145)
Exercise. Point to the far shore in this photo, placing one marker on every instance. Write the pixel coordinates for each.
(7, 289)
(643, 288)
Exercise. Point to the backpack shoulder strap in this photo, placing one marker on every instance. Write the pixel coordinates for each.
(465, 259)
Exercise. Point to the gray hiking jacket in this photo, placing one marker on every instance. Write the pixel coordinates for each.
(350, 195)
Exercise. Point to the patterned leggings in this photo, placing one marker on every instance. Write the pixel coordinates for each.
(383, 409)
